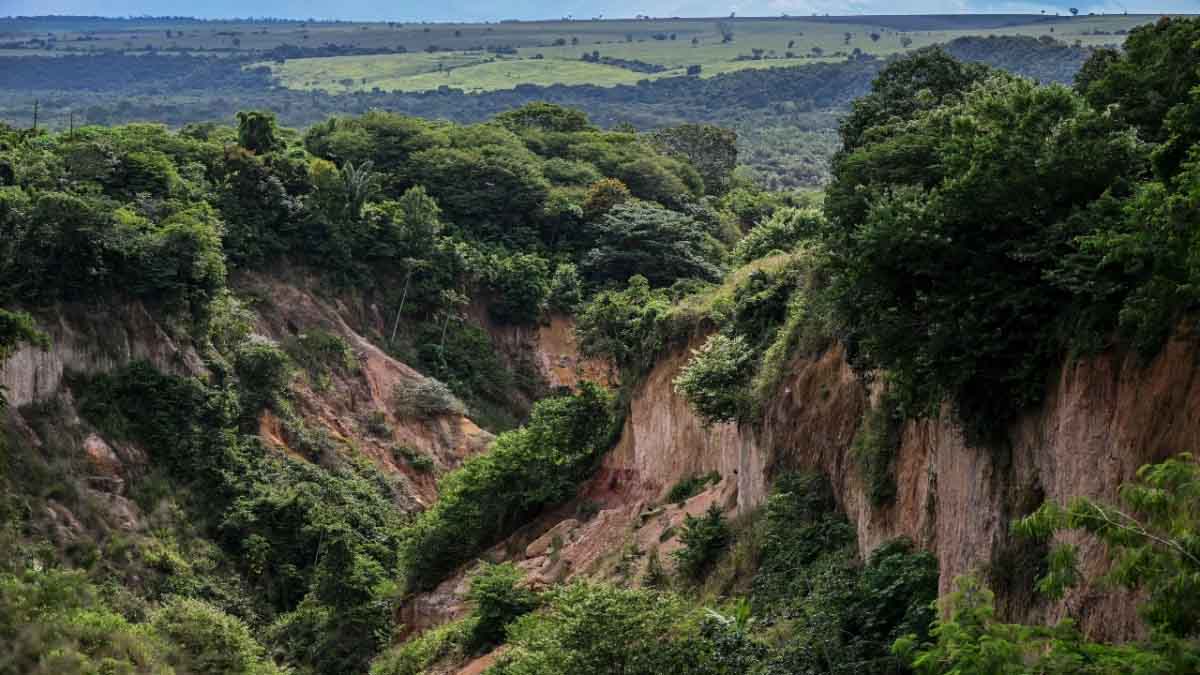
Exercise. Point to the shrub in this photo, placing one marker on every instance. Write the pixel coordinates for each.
(604, 195)
(425, 398)
(714, 380)
(624, 325)
(208, 641)
(321, 353)
(689, 487)
(782, 232)
(415, 656)
(497, 600)
(520, 285)
(704, 539)
(602, 630)
(875, 446)
(566, 289)
(264, 373)
(528, 469)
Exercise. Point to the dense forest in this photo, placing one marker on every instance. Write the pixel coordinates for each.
(978, 228)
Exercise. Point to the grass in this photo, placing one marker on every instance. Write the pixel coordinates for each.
(540, 61)
(460, 59)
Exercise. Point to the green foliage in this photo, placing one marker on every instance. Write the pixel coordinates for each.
(920, 81)
(641, 239)
(606, 631)
(258, 132)
(207, 641)
(1151, 85)
(624, 325)
(520, 286)
(264, 372)
(566, 289)
(317, 544)
(56, 621)
(528, 469)
(714, 379)
(544, 117)
(782, 232)
(497, 599)
(875, 447)
(1150, 537)
(416, 655)
(710, 149)
(970, 640)
(940, 273)
(689, 487)
(704, 539)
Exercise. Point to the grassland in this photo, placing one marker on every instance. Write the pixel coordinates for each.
(673, 45)
(397, 57)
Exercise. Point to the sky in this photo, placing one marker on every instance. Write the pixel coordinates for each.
(493, 10)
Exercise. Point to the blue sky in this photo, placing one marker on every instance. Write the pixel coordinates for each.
(490, 10)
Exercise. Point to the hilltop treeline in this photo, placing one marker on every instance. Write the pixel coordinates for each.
(773, 107)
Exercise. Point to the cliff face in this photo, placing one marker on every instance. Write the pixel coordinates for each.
(1102, 418)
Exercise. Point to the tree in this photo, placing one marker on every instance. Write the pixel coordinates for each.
(661, 245)
(714, 379)
(546, 117)
(624, 325)
(1149, 536)
(258, 132)
(922, 80)
(935, 267)
(704, 539)
(1151, 84)
(498, 599)
(603, 195)
(970, 640)
(710, 149)
(1074, 11)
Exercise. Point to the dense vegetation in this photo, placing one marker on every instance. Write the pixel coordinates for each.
(979, 228)
(305, 556)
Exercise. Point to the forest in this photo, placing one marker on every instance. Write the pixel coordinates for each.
(989, 213)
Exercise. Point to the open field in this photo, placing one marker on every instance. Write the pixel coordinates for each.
(654, 50)
(347, 57)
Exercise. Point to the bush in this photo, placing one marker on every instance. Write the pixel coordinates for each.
(704, 539)
(415, 656)
(205, 640)
(497, 600)
(875, 447)
(714, 380)
(264, 373)
(687, 488)
(425, 398)
(782, 232)
(566, 289)
(520, 285)
(625, 325)
(528, 469)
(602, 630)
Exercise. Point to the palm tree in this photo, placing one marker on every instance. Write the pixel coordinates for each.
(360, 185)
